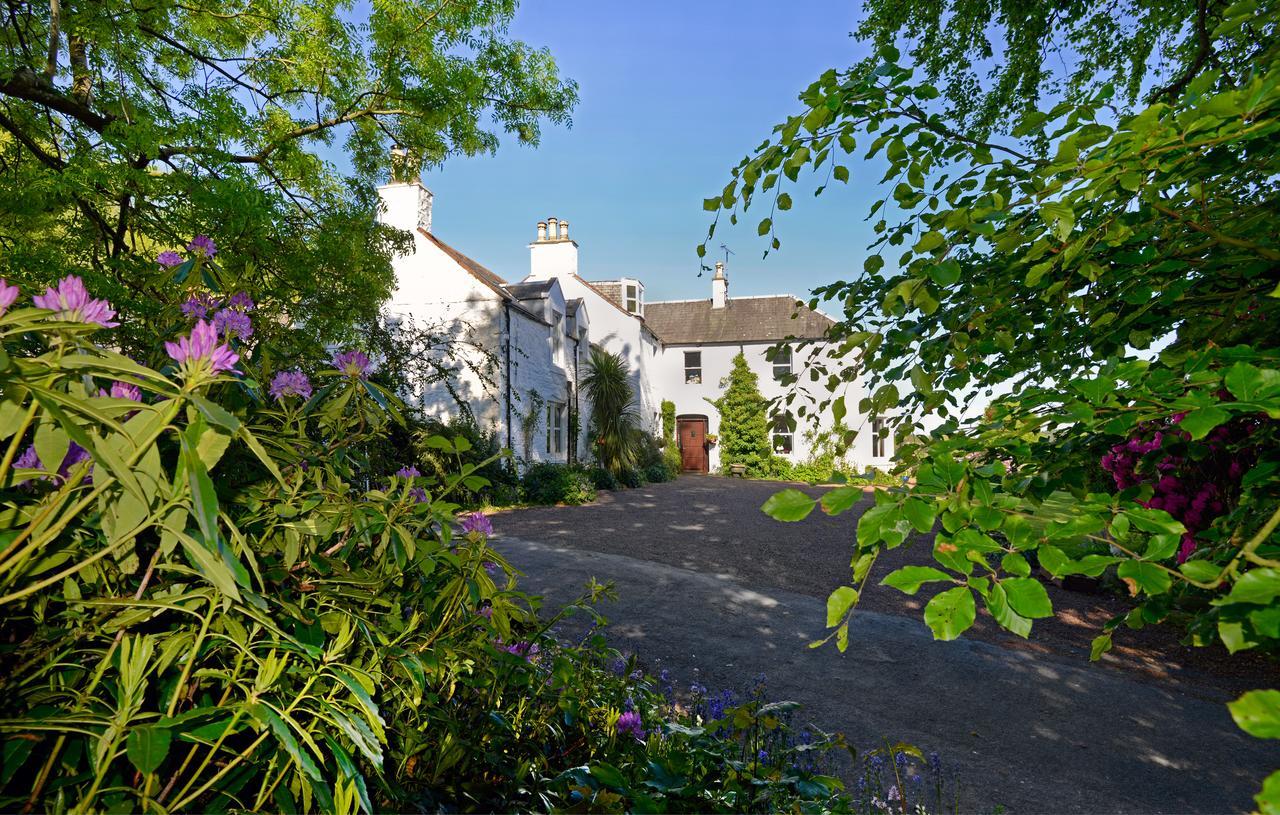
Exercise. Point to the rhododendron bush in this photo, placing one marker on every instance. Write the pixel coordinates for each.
(1071, 324)
(211, 600)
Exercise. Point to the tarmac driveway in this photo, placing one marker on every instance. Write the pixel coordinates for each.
(717, 592)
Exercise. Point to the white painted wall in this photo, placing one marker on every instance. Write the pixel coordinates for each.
(612, 328)
(717, 360)
(433, 290)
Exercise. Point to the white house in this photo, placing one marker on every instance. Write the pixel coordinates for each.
(525, 344)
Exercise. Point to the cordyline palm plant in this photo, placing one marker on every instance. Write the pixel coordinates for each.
(615, 433)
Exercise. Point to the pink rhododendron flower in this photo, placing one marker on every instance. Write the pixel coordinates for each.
(629, 723)
(8, 294)
(200, 352)
(352, 363)
(70, 302)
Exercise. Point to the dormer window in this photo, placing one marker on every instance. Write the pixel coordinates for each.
(633, 297)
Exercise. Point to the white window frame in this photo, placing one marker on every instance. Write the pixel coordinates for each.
(782, 368)
(555, 427)
(692, 373)
(780, 432)
(879, 435)
(631, 298)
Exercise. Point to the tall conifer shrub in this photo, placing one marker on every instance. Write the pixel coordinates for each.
(744, 426)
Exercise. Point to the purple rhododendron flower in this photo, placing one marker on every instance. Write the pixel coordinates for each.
(408, 472)
(29, 460)
(201, 351)
(232, 323)
(629, 724)
(418, 494)
(169, 259)
(290, 383)
(240, 301)
(528, 650)
(352, 363)
(198, 306)
(204, 245)
(123, 390)
(75, 455)
(477, 522)
(8, 294)
(486, 612)
(72, 303)
(491, 567)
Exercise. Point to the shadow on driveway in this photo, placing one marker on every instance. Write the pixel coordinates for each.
(714, 590)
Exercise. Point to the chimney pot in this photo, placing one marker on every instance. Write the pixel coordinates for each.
(542, 230)
(564, 230)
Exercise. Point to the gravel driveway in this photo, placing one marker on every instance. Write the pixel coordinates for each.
(716, 591)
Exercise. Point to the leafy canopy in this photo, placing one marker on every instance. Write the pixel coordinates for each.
(126, 129)
(1105, 281)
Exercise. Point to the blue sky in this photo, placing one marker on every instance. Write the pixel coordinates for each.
(672, 95)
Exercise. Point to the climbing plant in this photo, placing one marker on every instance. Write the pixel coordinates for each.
(1101, 280)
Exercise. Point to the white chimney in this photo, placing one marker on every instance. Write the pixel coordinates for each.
(405, 205)
(719, 287)
(553, 254)
(542, 230)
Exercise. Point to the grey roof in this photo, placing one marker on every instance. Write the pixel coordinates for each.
(529, 290)
(743, 319)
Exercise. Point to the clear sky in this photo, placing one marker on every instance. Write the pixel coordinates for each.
(673, 94)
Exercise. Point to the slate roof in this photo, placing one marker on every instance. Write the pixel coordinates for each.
(529, 290)
(611, 289)
(743, 319)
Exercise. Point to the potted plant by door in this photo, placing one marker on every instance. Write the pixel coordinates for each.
(711, 439)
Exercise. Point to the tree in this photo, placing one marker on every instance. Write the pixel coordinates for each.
(744, 428)
(128, 129)
(996, 61)
(614, 428)
(1116, 275)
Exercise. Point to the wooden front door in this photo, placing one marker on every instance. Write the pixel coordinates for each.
(693, 444)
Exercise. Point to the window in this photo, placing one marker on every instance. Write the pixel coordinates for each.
(693, 367)
(557, 336)
(631, 296)
(555, 428)
(782, 436)
(879, 435)
(782, 363)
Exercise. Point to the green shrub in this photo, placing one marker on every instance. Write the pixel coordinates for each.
(549, 483)
(476, 448)
(631, 478)
(670, 447)
(657, 473)
(744, 429)
(603, 479)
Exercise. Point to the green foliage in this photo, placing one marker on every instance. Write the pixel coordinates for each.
(546, 482)
(603, 479)
(614, 426)
(1112, 272)
(670, 447)
(995, 62)
(128, 129)
(744, 429)
(474, 447)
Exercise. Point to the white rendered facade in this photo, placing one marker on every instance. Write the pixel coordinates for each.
(532, 340)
